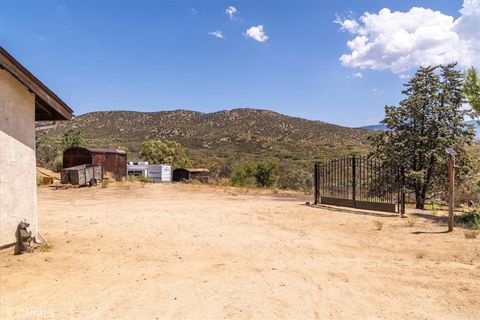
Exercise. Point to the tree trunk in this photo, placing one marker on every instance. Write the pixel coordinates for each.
(426, 183)
(419, 200)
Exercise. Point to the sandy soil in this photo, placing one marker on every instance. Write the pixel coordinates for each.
(198, 252)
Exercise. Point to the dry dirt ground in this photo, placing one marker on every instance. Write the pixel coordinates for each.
(200, 252)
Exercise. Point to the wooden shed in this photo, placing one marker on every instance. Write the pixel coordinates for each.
(112, 160)
(184, 174)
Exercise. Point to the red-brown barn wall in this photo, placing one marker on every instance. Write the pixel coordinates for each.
(121, 164)
(111, 162)
(76, 157)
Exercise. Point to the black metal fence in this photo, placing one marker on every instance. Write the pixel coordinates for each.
(359, 182)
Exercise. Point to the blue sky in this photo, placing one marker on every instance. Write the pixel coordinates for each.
(159, 55)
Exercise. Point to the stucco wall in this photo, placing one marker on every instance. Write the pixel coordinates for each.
(18, 198)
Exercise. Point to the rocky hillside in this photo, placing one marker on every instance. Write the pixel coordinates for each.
(245, 133)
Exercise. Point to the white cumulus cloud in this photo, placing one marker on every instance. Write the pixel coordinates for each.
(217, 34)
(230, 11)
(256, 33)
(355, 75)
(400, 41)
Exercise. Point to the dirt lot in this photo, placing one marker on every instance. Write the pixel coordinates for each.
(197, 252)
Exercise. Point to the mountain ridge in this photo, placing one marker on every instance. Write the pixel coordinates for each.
(241, 132)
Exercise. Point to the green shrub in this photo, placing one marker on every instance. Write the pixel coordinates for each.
(238, 177)
(297, 179)
(243, 175)
(105, 183)
(265, 173)
(469, 219)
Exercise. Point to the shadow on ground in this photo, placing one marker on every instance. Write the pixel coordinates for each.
(430, 232)
(355, 211)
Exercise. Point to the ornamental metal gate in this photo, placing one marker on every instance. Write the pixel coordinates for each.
(360, 182)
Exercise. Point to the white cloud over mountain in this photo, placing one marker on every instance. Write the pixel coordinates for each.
(400, 41)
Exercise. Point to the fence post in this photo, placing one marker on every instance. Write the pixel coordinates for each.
(354, 182)
(316, 178)
(402, 194)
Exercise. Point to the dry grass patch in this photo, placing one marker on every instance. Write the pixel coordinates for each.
(378, 224)
(411, 220)
(471, 234)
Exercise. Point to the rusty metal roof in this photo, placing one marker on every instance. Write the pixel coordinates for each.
(48, 106)
(100, 150)
(106, 150)
(196, 169)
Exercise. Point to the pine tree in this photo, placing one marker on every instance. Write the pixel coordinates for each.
(472, 89)
(428, 120)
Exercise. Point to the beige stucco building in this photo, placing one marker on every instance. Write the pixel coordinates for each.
(23, 100)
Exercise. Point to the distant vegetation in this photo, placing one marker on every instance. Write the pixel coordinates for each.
(49, 153)
(224, 142)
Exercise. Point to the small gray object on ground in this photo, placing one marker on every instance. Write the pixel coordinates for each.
(23, 237)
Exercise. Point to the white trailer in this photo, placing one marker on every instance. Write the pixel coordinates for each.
(155, 172)
(137, 169)
(160, 173)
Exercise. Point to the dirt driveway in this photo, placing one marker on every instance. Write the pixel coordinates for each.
(199, 252)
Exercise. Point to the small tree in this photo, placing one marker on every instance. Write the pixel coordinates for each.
(266, 173)
(297, 179)
(48, 153)
(243, 174)
(172, 152)
(428, 120)
(72, 138)
(472, 89)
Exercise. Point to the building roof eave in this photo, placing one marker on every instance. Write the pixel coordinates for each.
(48, 106)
